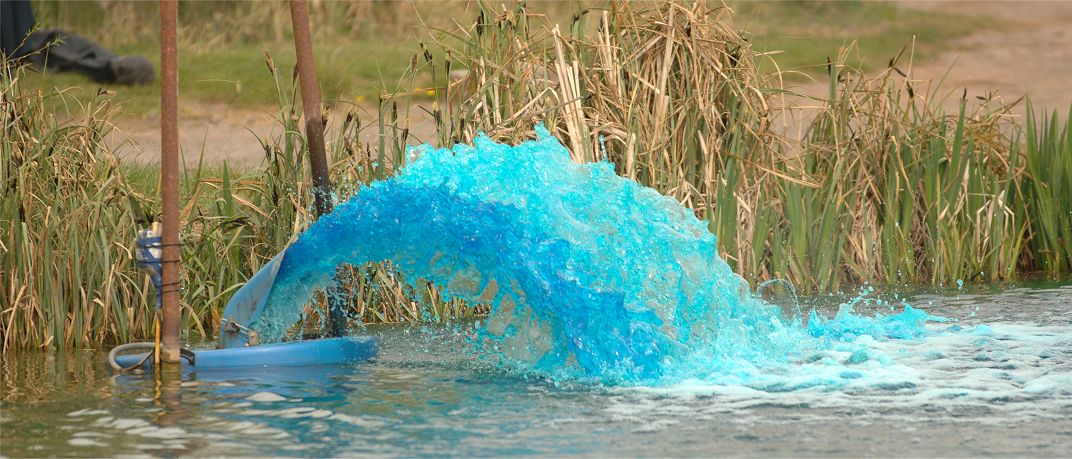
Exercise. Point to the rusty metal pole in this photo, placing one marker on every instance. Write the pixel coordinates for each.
(310, 93)
(169, 179)
(314, 136)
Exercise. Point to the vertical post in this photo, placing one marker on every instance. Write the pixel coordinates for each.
(169, 179)
(314, 136)
(310, 93)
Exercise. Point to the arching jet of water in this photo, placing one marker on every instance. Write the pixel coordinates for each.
(587, 273)
(582, 268)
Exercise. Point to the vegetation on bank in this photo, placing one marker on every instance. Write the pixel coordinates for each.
(878, 184)
(364, 48)
(70, 210)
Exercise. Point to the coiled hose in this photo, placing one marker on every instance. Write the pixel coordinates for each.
(152, 349)
(146, 346)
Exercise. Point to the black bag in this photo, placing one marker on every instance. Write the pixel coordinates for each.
(55, 50)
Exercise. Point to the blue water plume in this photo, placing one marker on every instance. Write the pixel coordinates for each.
(588, 274)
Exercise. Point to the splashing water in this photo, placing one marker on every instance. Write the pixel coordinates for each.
(589, 275)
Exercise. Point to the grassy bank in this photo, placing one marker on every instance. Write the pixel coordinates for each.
(880, 185)
(365, 48)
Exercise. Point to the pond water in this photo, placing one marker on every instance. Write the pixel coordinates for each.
(1002, 389)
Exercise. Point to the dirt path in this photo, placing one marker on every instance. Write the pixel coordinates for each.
(1028, 50)
(224, 133)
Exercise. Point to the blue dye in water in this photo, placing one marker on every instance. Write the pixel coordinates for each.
(589, 275)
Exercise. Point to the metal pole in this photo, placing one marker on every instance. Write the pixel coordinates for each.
(314, 123)
(314, 136)
(169, 179)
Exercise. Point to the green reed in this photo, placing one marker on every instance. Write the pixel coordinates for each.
(70, 211)
(881, 186)
(1049, 189)
(63, 207)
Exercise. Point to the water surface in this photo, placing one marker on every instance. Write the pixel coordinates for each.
(995, 381)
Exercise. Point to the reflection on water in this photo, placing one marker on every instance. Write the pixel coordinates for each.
(1002, 389)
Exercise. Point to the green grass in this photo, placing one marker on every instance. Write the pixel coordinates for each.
(221, 59)
(805, 35)
(223, 46)
(353, 73)
(1049, 191)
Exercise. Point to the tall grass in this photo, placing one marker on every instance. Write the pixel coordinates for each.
(1049, 189)
(881, 186)
(70, 210)
(907, 192)
(64, 206)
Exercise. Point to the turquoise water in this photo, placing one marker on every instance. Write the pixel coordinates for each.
(590, 276)
(1003, 390)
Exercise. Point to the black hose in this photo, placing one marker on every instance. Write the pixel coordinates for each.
(146, 346)
(151, 347)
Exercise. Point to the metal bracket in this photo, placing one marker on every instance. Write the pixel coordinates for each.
(231, 326)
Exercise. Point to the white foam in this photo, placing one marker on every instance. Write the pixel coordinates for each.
(998, 372)
(266, 397)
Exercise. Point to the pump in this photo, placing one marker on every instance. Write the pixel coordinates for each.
(158, 247)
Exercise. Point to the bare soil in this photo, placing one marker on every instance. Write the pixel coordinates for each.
(1026, 49)
(214, 133)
